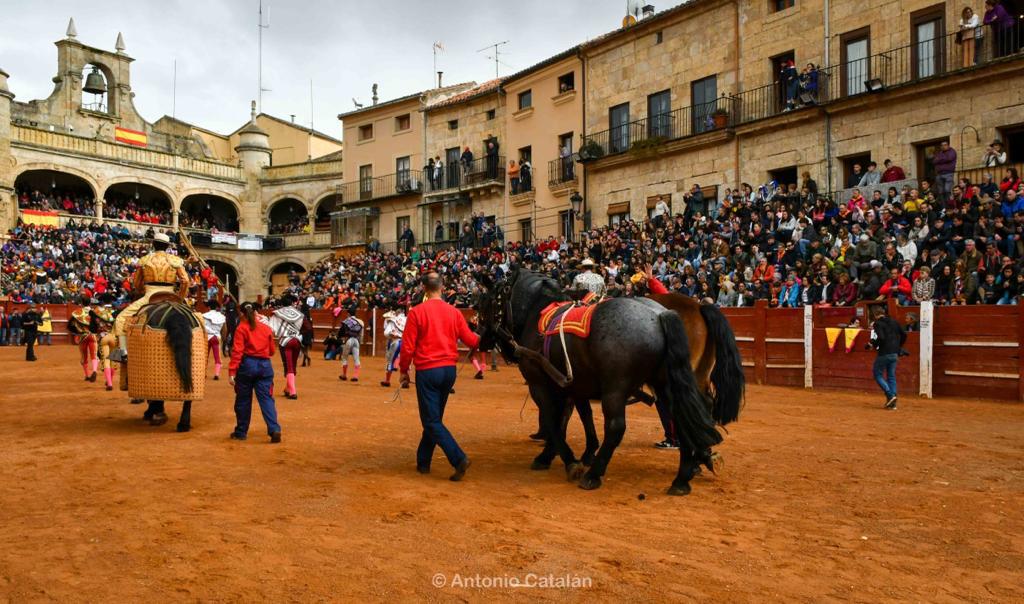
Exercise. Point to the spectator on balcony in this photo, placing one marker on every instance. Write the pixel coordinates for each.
(809, 84)
(994, 155)
(790, 80)
(429, 171)
(406, 241)
(855, 177)
(466, 161)
(944, 162)
(1002, 25)
(442, 179)
(513, 176)
(525, 175)
(808, 183)
(892, 172)
(871, 177)
(969, 37)
(438, 231)
(492, 147)
(468, 238)
(566, 163)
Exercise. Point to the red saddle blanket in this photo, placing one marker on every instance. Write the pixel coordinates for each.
(574, 319)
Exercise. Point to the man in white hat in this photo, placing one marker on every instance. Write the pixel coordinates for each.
(158, 271)
(588, 279)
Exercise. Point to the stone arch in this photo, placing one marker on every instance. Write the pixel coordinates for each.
(283, 196)
(235, 284)
(221, 219)
(277, 262)
(47, 166)
(324, 205)
(274, 286)
(287, 214)
(172, 197)
(110, 77)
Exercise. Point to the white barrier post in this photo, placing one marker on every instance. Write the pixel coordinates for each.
(808, 347)
(927, 322)
(373, 343)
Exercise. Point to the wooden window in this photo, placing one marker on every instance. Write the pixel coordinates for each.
(855, 53)
(567, 82)
(781, 5)
(525, 99)
(658, 37)
(490, 114)
(526, 229)
(402, 122)
(366, 132)
(618, 126)
(925, 152)
(704, 99)
(453, 124)
(927, 34)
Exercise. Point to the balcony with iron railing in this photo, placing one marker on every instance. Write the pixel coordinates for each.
(914, 63)
(922, 61)
(562, 174)
(405, 182)
(462, 176)
(653, 131)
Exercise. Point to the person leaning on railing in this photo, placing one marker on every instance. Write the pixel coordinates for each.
(969, 36)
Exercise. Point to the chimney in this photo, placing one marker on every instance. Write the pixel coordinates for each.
(439, 74)
(293, 118)
(648, 11)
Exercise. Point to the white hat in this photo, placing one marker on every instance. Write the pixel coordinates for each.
(161, 237)
(875, 264)
(587, 262)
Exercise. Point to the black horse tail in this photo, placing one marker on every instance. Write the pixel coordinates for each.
(179, 337)
(727, 376)
(693, 424)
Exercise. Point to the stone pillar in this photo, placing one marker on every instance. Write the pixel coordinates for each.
(99, 211)
(174, 219)
(8, 202)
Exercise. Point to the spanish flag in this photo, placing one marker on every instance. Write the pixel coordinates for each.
(40, 218)
(131, 137)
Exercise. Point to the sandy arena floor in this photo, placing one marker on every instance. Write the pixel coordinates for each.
(824, 496)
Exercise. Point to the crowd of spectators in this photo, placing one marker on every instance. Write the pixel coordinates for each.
(298, 224)
(126, 207)
(57, 200)
(790, 244)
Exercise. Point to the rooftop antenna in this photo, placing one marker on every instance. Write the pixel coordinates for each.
(309, 139)
(174, 91)
(259, 81)
(497, 54)
(438, 47)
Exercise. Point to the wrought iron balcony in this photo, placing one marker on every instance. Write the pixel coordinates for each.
(405, 182)
(464, 176)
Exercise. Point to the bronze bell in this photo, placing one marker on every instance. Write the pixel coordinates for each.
(95, 82)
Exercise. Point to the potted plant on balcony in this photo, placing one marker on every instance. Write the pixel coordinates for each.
(720, 117)
(591, 150)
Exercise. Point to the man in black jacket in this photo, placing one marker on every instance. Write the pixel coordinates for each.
(887, 337)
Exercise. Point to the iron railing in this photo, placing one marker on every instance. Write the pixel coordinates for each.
(561, 171)
(920, 61)
(652, 131)
(909, 64)
(459, 176)
(404, 182)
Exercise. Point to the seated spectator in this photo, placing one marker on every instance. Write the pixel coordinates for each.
(924, 286)
(896, 286)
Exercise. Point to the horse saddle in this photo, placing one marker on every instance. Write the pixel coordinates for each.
(573, 319)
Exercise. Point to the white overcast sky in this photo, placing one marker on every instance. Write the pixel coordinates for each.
(343, 46)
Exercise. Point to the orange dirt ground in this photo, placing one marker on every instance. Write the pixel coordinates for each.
(824, 496)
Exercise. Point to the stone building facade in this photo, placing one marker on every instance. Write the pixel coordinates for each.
(98, 145)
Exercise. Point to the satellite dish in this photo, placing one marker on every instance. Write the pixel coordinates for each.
(628, 21)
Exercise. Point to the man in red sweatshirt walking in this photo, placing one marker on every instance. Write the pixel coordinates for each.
(430, 341)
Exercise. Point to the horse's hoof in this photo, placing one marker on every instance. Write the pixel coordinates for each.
(183, 428)
(717, 463)
(158, 419)
(540, 465)
(679, 490)
(589, 483)
(574, 471)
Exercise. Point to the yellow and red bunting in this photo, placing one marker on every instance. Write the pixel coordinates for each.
(130, 137)
(832, 335)
(40, 218)
(851, 337)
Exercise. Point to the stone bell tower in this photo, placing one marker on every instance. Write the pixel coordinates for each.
(8, 203)
(253, 145)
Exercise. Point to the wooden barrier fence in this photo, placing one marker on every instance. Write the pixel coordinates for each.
(963, 351)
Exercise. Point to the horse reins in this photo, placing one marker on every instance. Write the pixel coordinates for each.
(504, 298)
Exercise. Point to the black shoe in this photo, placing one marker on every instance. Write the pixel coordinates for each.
(291, 396)
(452, 391)
(422, 470)
(137, 401)
(355, 379)
(342, 378)
(891, 403)
(33, 359)
(216, 377)
(667, 445)
(275, 438)
(460, 471)
(237, 436)
(158, 419)
(479, 375)
(405, 386)
(538, 436)
(386, 384)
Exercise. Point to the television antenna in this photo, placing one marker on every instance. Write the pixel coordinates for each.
(259, 57)
(495, 48)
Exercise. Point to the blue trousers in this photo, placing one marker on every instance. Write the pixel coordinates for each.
(432, 389)
(255, 375)
(885, 373)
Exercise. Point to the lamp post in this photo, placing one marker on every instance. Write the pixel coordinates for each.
(576, 205)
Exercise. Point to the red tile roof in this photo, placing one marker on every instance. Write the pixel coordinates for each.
(472, 93)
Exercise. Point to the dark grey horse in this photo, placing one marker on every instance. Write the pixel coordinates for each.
(633, 342)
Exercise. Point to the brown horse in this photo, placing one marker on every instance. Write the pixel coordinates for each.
(714, 355)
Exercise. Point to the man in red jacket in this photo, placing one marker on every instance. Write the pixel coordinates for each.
(430, 341)
(897, 286)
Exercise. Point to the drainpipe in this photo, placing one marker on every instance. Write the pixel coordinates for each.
(583, 134)
(739, 86)
(827, 62)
